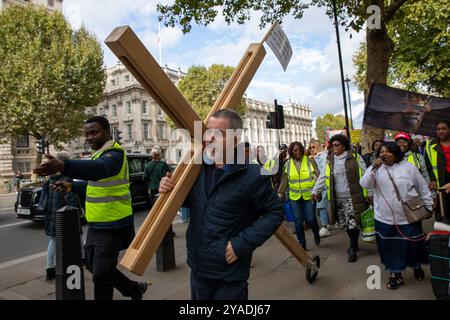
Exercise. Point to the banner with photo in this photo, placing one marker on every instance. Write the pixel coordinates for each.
(396, 109)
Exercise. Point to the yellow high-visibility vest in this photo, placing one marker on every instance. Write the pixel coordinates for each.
(433, 156)
(412, 158)
(109, 199)
(301, 182)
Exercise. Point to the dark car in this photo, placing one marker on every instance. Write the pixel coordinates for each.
(27, 201)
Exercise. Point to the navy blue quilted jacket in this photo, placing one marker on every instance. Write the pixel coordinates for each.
(242, 207)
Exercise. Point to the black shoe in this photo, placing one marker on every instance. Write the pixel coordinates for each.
(49, 274)
(317, 239)
(142, 287)
(352, 255)
(419, 274)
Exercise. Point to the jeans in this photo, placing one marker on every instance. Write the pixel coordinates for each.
(304, 210)
(51, 253)
(323, 212)
(184, 215)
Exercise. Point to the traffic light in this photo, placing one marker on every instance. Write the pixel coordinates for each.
(275, 120)
(40, 145)
(279, 116)
(271, 121)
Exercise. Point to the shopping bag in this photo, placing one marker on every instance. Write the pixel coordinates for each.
(288, 211)
(368, 225)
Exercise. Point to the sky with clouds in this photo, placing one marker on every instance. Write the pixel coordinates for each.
(312, 77)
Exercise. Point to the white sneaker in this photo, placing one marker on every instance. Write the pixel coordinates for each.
(323, 232)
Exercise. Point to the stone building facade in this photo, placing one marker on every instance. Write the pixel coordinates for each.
(131, 111)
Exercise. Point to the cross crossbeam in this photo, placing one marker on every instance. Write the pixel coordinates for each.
(129, 49)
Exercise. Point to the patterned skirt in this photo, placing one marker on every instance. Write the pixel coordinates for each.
(346, 214)
(395, 251)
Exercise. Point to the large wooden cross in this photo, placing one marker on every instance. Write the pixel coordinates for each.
(129, 49)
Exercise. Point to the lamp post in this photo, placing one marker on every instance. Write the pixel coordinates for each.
(341, 67)
(347, 80)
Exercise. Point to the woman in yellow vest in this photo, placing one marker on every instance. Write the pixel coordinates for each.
(299, 175)
(437, 159)
(403, 140)
(347, 197)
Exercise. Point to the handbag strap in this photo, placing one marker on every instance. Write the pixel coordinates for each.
(395, 187)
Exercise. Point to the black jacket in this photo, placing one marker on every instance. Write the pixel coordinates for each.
(52, 201)
(242, 207)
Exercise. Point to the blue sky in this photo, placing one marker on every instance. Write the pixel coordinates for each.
(312, 77)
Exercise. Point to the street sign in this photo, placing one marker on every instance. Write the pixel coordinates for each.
(355, 136)
(279, 43)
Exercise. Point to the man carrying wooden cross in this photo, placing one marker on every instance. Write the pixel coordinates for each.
(233, 210)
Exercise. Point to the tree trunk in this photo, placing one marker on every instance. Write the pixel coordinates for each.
(379, 50)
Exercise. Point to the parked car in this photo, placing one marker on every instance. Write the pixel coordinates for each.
(26, 206)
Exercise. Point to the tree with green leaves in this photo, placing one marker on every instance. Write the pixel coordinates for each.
(48, 76)
(328, 121)
(421, 57)
(381, 15)
(202, 86)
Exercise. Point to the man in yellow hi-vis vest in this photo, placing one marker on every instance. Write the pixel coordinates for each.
(108, 207)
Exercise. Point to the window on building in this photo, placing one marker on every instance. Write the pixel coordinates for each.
(129, 131)
(113, 82)
(51, 3)
(94, 111)
(127, 78)
(160, 114)
(101, 112)
(161, 132)
(128, 107)
(24, 167)
(146, 131)
(23, 141)
(144, 107)
(114, 133)
(114, 110)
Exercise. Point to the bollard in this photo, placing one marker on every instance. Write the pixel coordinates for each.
(69, 264)
(165, 255)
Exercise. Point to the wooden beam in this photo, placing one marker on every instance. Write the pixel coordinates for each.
(130, 50)
(141, 64)
(133, 54)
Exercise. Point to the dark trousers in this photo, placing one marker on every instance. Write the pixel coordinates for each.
(102, 250)
(206, 289)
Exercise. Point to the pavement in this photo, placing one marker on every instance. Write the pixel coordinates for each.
(275, 275)
(7, 200)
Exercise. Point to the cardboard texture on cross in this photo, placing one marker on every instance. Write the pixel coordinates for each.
(130, 50)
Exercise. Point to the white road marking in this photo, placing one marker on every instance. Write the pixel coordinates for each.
(15, 224)
(22, 260)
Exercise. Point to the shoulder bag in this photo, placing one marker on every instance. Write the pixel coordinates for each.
(414, 209)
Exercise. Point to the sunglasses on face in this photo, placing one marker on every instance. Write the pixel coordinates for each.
(335, 145)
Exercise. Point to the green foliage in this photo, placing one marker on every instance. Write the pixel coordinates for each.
(421, 58)
(351, 13)
(201, 87)
(328, 121)
(49, 74)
